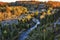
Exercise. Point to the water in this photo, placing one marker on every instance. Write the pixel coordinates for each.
(57, 22)
(10, 22)
(24, 35)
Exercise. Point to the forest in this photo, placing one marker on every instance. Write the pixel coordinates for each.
(18, 17)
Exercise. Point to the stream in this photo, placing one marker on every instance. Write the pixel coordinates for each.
(25, 34)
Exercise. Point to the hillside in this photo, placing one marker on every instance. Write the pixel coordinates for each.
(33, 20)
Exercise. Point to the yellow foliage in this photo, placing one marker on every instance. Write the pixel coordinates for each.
(42, 16)
(36, 13)
(28, 17)
(50, 8)
(44, 13)
(32, 14)
(23, 20)
(48, 12)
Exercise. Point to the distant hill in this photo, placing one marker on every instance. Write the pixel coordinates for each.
(53, 4)
(2, 3)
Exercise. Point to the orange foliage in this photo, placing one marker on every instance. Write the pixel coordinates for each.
(54, 4)
(15, 11)
(12, 12)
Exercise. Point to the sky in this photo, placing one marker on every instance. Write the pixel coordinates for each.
(8, 0)
(26, 0)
